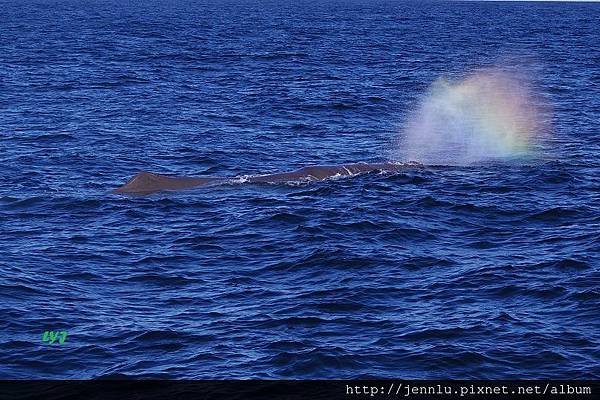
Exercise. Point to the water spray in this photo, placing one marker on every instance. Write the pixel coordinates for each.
(489, 115)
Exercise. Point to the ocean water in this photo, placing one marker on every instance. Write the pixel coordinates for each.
(481, 269)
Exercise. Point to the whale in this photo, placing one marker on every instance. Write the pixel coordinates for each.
(145, 183)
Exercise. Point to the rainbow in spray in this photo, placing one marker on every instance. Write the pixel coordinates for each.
(489, 115)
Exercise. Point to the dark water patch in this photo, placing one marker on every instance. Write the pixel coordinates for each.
(312, 362)
(285, 217)
(504, 317)
(168, 334)
(79, 276)
(46, 137)
(429, 201)
(586, 295)
(416, 263)
(286, 345)
(15, 203)
(457, 357)
(406, 179)
(160, 279)
(497, 189)
(162, 259)
(280, 56)
(555, 214)
(337, 307)
(441, 334)
(21, 290)
(296, 322)
(313, 191)
(508, 291)
(411, 234)
(337, 259)
(568, 263)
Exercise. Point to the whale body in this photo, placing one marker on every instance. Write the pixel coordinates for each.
(145, 183)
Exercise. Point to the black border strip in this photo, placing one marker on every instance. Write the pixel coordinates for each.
(296, 389)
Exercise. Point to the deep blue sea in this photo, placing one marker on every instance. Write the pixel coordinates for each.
(480, 270)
